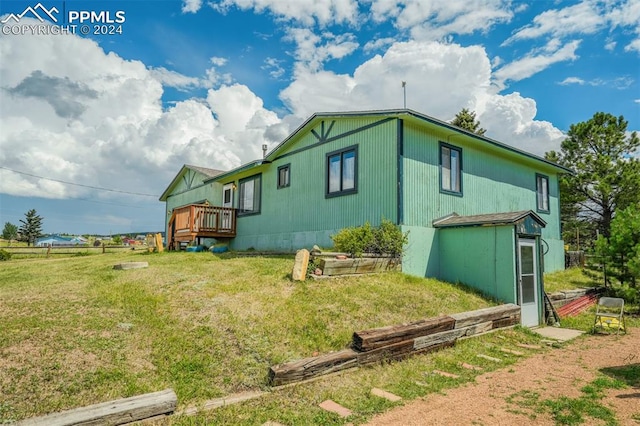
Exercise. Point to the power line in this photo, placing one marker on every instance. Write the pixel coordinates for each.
(78, 184)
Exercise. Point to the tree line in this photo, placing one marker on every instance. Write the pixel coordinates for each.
(29, 231)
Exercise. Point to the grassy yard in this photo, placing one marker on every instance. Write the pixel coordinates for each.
(76, 332)
(571, 278)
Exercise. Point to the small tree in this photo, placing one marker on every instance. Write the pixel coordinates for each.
(31, 227)
(466, 119)
(621, 250)
(10, 232)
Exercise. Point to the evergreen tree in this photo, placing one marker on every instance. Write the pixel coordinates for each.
(466, 119)
(31, 227)
(607, 170)
(10, 232)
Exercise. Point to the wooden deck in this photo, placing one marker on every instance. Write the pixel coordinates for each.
(195, 221)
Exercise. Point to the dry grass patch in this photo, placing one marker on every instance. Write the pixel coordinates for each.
(77, 332)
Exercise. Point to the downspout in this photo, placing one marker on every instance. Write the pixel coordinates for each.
(399, 177)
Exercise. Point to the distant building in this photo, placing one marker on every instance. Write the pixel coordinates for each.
(57, 240)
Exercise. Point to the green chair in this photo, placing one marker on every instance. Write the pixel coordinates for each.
(610, 315)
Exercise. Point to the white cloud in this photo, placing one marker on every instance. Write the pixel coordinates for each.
(81, 115)
(534, 63)
(274, 67)
(619, 83)
(633, 46)
(378, 44)
(511, 119)
(308, 12)
(627, 15)
(636, 101)
(581, 18)
(585, 17)
(571, 80)
(191, 6)
(313, 50)
(428, 68)
(435, 19)
(173, 79)
(218, 61)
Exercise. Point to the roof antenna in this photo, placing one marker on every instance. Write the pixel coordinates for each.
(404, 91)
(264, 150)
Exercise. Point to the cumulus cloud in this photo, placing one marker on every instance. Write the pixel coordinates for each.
(87, 116)
(428, 68)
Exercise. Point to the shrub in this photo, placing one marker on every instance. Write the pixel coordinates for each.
(389, 239)
(355, 241)
(4, 255)
(386, 239)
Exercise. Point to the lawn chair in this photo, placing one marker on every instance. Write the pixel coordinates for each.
(610, 314)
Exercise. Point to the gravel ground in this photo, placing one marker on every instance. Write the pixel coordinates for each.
(502, 397)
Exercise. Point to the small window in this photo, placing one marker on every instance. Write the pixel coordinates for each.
(249, 195)
(450, 169)
(542, 193)
(284, 176)
(342, 172)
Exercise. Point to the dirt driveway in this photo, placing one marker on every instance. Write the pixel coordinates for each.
(516, 395)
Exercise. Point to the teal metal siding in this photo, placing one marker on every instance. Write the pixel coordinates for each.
(493, 182)
(481, 257)
(300, 215)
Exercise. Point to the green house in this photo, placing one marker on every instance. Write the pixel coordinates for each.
(478, 211)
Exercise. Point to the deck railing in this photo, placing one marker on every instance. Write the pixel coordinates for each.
(203, 220)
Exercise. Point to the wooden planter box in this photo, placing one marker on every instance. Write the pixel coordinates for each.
(362, 265)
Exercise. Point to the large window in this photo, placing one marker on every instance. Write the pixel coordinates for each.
(284, 176)
(249, 195)
(342, 172)
(450, 169)
(542, 193)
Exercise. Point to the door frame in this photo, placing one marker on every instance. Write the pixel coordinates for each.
(526, 313)
(230, 187)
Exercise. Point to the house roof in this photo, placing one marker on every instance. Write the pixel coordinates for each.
(491, 219)
(400, 113)
(413, 115)
(209, 173)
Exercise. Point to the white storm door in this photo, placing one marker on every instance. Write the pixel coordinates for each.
(528, 282)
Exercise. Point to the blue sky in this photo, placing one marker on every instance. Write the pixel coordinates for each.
(94, 127)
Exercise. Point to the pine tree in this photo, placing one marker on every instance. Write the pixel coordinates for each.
(31, 227)
(466, 119)
(607, 170)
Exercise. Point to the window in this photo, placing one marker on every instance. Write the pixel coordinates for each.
(450, 169)
(542, 193)
(249, 197)
(342, 172)
(284, 176)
